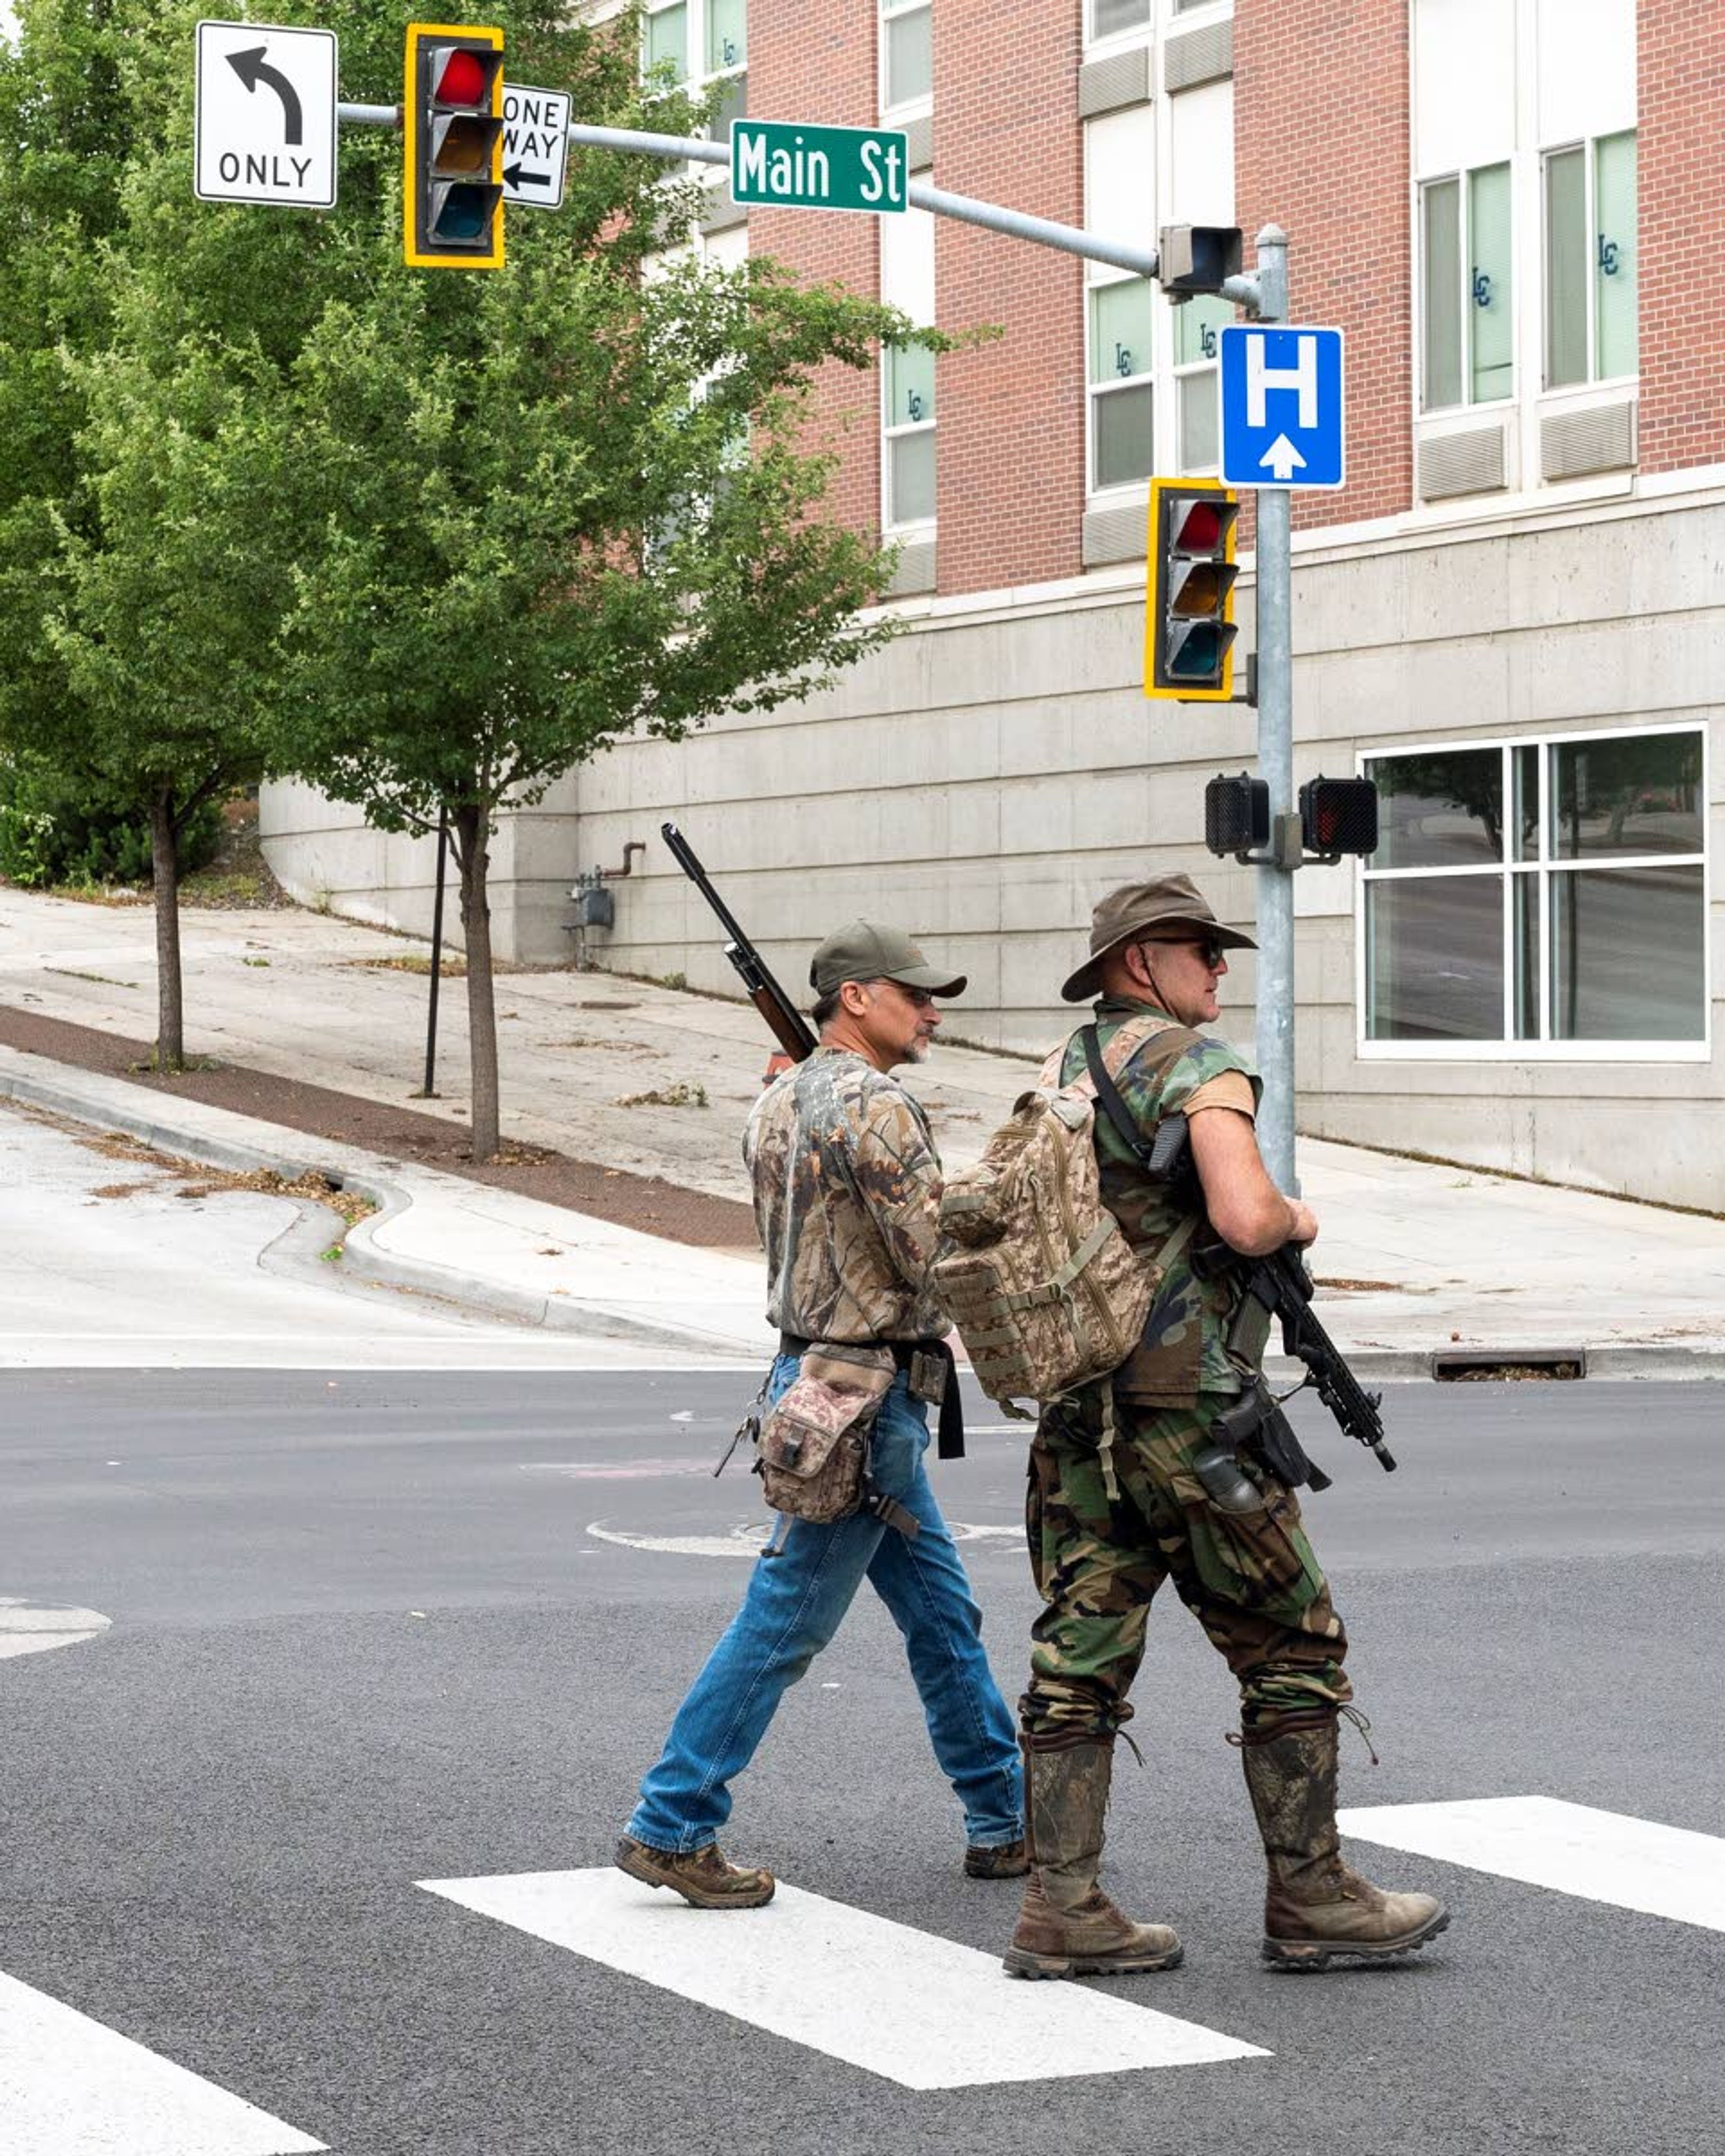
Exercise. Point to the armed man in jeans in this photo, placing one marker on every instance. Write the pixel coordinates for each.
(847, 1188)
(1130, 1489)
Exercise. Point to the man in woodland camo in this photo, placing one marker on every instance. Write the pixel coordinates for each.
(1118, 1505)
(847, 1188)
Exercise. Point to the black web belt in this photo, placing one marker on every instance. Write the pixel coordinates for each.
(949, 1441)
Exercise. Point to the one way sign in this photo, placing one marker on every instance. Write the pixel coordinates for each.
(1283, 417)
(536, 144)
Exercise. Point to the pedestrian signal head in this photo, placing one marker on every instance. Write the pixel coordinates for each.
(452, 129)
(1338, 816)
(1189, 631)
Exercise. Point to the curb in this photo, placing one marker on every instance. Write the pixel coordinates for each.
(370, 1177)
(363, 1260)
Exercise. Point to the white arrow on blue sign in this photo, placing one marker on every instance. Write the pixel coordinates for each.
(1283, 414)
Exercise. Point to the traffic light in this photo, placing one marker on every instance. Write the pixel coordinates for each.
(1188, 642)
(1236, 814)
(1339, 816)
(452, 133)
(1197, 258)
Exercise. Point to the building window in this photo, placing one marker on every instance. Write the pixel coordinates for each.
(1468, 346)
(703, 43)
(907, 374)
(1196, 324)
(907, 52)
(1122, 318)
(1591, 297)
(1113, 18)
(1550, 895)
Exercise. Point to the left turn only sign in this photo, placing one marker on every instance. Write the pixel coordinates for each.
(266, 115)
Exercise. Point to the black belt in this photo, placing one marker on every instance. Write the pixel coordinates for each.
(949, 1440)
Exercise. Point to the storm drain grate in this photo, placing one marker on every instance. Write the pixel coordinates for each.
(1457, 1365)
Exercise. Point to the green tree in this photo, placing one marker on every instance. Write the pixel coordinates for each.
(133, 611)
(529, 512)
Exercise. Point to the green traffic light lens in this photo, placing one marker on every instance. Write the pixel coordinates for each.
(1200, 657)
(464, 214)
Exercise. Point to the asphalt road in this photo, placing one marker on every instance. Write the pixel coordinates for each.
(373, 1629)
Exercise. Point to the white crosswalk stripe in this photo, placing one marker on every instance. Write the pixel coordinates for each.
(925, 2012)
(1544, 1841)
(68, 2086)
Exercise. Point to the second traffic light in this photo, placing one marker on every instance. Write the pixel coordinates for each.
(452, 132)
(1188, 642)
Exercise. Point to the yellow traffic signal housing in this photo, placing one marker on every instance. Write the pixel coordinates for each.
(1189, 628)
(452, 136)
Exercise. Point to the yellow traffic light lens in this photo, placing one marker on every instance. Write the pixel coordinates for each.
(465, 147)
(1202, 591)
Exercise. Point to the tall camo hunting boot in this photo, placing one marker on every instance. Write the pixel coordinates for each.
(1068, 1927)
(1315, 1910)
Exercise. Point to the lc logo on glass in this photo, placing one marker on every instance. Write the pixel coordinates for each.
(1283, 413)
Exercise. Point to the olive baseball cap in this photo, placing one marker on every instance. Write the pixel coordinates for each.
(1168, 909)
(863, 951)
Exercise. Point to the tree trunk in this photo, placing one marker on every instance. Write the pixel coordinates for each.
(165, 866)
(472, 835)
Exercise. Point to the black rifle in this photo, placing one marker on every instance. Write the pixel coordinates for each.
(785, 1022)
(1281, 1285)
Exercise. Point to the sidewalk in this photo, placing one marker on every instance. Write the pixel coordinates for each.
(1425, 1259)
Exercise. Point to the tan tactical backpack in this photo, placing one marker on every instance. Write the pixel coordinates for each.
(1045, 1291)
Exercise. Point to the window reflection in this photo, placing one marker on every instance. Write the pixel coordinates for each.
(1641, 795)
(1434, 958)
(1439, 811)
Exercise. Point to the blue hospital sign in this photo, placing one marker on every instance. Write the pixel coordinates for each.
(1283, 417)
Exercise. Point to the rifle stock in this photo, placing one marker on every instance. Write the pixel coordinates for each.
(783, 1020)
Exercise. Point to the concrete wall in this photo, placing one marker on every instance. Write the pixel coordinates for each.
(986, 776)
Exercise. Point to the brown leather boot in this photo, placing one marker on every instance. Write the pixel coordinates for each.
(1315, 1910)
(1068, 1927)
(700, 1876)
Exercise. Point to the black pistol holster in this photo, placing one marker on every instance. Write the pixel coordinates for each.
(1254, 1428)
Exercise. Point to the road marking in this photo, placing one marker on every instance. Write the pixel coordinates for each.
(1599, 1857)
(922, 2011)
(68, 2086)
(27, 1629)
(747, 1538)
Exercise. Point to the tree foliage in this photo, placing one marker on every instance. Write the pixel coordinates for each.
(425, 538)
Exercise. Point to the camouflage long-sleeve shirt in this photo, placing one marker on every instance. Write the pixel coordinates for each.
(1181, 1354)
(847, 1188)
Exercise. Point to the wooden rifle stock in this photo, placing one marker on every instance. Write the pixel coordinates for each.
(784, 1021)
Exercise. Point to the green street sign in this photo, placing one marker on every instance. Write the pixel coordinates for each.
(865, 168)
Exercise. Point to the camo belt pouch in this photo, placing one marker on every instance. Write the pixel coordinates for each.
(812, 1454)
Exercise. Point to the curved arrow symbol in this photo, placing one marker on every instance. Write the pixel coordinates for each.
(252, 68)
(1282, 458)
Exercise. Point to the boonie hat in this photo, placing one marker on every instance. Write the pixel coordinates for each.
(1162, 911)
(863, 951)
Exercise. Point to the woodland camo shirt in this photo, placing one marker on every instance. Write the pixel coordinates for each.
(847, 1188)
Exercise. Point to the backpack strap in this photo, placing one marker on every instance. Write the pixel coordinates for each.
(1109, 1101)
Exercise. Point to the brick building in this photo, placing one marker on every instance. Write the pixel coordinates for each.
(1513, 617)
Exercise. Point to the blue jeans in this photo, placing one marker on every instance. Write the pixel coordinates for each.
(795, 1602)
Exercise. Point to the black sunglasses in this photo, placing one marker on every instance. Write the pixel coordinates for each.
(1209, 948)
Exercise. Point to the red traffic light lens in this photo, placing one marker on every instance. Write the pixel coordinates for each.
(1199, 531)
(463, 80)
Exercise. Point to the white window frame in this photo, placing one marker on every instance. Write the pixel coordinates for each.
(1461, 175)
(1117, 41)
(922, 527)
(1521, 416)
(1543, 867)
(700, 77)
(1588, 146)
(909, 108)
